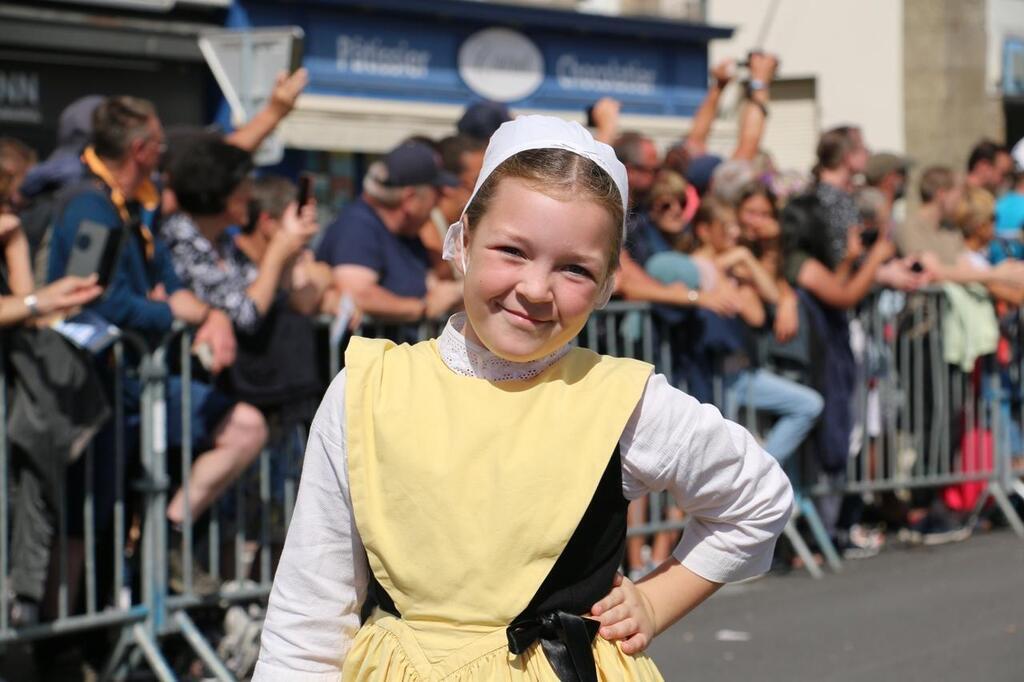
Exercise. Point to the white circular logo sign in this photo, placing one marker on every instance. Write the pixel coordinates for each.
(501, 64)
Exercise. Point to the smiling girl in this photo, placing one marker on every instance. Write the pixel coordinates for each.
(468, 493)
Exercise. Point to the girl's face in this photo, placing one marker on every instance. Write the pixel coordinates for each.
(756, 218)
(536, 266)
(668, 214)
(722, 233)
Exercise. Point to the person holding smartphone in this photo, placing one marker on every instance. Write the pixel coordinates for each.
(39, 455)
(212, 184)
(20, 302)
(146, 296)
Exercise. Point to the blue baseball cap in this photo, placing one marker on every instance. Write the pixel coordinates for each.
(482, 119)
(700, 171)
(414, 163)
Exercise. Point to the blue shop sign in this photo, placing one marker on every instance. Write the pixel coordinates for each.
(385, 55)
(1013, 67)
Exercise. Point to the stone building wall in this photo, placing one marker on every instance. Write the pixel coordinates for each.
(947, 106)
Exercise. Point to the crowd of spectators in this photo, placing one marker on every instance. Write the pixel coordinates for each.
(753, 273)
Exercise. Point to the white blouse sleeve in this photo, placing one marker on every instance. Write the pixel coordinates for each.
(736, 494)
(321, 580)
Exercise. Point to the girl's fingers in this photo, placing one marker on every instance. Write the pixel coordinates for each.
(615, 614)
(614, 598)
(635, 643)
(621, 630)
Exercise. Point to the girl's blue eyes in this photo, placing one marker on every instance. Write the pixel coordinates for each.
(577, 270)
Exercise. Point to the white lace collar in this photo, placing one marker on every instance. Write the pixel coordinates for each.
(468, 359)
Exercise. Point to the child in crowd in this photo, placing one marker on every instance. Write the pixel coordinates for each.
(724, 264)
(975, 216)
(472, 488)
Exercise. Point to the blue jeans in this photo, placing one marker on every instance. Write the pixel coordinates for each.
(797, 405)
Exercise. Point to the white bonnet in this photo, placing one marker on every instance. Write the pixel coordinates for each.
(542, 132)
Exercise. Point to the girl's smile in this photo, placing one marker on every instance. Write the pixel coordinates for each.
(536, 264)
(524, 317)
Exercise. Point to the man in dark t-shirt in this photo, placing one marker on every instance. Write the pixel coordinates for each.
(373, 247)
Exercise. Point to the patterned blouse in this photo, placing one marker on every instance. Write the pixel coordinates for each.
(841, 214)
(218, 274)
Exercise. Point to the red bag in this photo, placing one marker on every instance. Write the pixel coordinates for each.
(975, 456)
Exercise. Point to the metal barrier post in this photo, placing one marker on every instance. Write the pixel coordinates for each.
(4, 487)
(186, 461)
(154, 541)
(799, 546)
(821, 535)
(119, 474)
(139, 639)
(180, 620)
(265, 535)
(998, 483)
(199, 644)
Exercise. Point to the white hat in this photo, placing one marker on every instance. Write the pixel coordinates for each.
(1018, 154)
(542, 132)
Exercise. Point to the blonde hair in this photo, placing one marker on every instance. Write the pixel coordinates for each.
(711, 209)
(975, 210)
(560, 174)
(668, 184)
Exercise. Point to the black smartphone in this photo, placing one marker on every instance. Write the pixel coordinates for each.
(96, 250)
(305, 189)
(590, 116)
(298, 47)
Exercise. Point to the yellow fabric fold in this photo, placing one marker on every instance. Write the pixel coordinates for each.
(387, 650)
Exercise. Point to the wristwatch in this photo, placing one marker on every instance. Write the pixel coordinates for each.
(754, 85)
(692, 296)
(32, 303)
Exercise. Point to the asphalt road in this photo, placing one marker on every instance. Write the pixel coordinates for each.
(954, 612)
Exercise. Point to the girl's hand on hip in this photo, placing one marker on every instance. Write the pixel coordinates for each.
(626, 616)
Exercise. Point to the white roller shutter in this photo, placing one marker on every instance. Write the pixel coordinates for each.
(793, 124)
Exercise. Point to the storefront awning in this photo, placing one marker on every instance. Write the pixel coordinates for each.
(354, 124)
(454, 52)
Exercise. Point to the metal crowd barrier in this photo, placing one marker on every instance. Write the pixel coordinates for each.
(130, 606)
(914, 448)
(1012, 442)
(916, 412)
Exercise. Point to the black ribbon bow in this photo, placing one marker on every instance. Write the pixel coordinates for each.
(565, 639)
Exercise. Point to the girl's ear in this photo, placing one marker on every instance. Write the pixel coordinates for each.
(461, 260)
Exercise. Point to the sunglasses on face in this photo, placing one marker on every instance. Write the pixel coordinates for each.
(668, 204)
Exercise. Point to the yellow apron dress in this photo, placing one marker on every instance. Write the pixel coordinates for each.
(492, 516)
